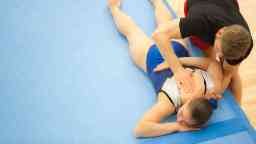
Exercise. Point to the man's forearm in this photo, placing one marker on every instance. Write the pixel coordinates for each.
(166, 50)
(162, 36)
(226, 82)
(236, 87)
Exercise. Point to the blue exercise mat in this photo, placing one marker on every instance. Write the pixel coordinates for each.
(66, 77)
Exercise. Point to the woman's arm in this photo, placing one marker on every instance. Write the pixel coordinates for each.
(153, 129)
(150, 125)
(199, 62)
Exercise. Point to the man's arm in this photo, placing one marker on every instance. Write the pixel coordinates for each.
(215, 72)
(212, 67)
(233, 79)
(162, 37)
(236, 87)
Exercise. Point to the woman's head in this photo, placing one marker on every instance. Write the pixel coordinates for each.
(195, 112)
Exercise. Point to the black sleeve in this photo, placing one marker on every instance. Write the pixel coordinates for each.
(196, 26)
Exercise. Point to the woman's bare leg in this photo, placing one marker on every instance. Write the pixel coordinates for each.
(163, 15)
(139, 42)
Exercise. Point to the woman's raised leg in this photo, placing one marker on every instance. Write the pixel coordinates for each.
(139, 42)
(162, 14)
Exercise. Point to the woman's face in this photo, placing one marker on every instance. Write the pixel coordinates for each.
(184, 115)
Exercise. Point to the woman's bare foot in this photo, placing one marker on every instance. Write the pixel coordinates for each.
(155, 2)
(114, 3)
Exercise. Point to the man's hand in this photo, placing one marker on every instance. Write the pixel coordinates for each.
(212, 94)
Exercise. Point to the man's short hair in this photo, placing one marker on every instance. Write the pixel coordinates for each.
(236, 43)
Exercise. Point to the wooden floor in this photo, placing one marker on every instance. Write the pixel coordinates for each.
(248, 67)
(247, 70)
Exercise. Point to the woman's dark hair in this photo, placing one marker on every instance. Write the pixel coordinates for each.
(201, 111)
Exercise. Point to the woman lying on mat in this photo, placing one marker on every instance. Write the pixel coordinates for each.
(192, 107)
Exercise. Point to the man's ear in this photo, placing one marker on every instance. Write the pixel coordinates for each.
(219, 33)
(218, 56)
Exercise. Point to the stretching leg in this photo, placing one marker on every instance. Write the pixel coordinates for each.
(139, 42)
(163, 15)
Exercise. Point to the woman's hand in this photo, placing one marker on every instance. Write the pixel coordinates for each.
(161, 67)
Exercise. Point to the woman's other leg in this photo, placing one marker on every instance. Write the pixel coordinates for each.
(139, 42)
(163, 15)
